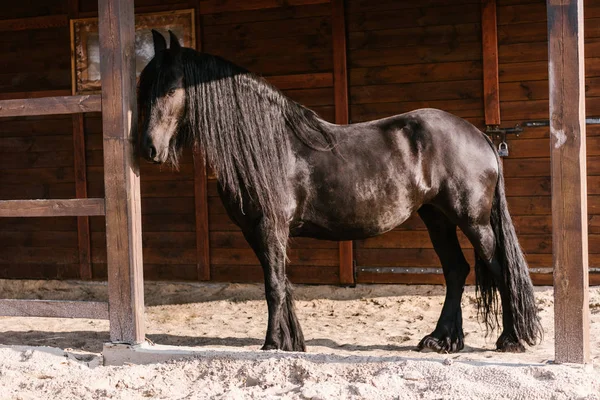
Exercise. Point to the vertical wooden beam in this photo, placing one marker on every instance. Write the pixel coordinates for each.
(83, 223)
(80, 167)
(340, 88)
(201, 186)
(491, 86)
(121, 171)
(569, 191)
(202, 230)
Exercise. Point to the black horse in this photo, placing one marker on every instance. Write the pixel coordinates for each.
(284, 172)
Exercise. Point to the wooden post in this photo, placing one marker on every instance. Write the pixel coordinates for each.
(340, 88)
(489, 36)
(80, 168)
(83, 222)
(121, 172)
(569, 191)
(202, 230)
(200, 185)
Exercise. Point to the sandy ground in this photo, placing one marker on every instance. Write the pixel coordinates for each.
(361, 344)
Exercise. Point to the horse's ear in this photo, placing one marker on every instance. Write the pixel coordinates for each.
(160, 43)
(174, 41)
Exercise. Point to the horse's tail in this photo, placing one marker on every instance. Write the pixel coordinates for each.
(515, 273)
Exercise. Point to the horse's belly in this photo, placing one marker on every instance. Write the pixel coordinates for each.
(354, 220)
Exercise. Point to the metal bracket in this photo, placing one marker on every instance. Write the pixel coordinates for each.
(496, 132)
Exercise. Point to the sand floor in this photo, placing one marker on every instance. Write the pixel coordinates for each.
(361, 344)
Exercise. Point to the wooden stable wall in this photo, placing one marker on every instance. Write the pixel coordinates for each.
(401, 55)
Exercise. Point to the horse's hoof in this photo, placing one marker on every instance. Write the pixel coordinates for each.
(270, 346)
(295, 347)
(441, 345)
(508, 344)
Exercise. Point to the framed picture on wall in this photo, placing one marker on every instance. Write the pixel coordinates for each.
(85, 46)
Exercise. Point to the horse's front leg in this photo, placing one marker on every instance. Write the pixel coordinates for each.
(283, 329)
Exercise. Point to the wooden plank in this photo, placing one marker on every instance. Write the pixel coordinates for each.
(420, 91)
(43, 270)
(50, 105)
(569, 199)
(289, 13)
(434, 72)
(54, 309)
(223, 6)
(34, 94)
(491, 91)
(202, 227)
(340, 84)
(43, 22)
(302, 81)
(414, 36)
(200, 187)
(253, 273)
(435, 53)
(51, 208)
(83, 222)
(121, 171)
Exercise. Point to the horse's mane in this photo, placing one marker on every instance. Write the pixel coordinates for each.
(242, 123)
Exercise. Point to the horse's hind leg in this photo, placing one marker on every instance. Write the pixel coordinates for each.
(283, 329)
(448, 335)
(489, 278)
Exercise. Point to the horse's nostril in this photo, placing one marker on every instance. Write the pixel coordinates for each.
(152, 151)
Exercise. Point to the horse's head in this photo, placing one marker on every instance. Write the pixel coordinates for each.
(161, 99)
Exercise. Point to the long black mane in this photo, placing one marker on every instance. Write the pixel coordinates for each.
(243, 124)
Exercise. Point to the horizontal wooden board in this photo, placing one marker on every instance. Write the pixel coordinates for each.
(38, 239)
(62, 224)
(236, 240)
(250, 52)
(289, 12)
(253, 273)
(63, 142)
(32, 159)
(423, 72)
(420, 35)
(309, 257)
(252, 34)
(222, 6)
(51, 208)
(521, 13)
(33, 191)
(432, 16)
(356, 6)
(302, 81)
(312, 97)
(465, 108)
(54, 309)
(44, 270)
(33, 23)
(454, 90)
(49, 79)
(50, 105)
(156, 272)
(414, 55)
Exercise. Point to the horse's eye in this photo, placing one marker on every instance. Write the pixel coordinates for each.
(171, 92)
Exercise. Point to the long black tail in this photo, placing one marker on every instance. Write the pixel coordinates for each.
(515, 273)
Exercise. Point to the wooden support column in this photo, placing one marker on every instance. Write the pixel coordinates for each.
(491, 87)
(569, 191)
(121, 172)
(83, 222)
(201, 185)
(80, 167)
(340, 87)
